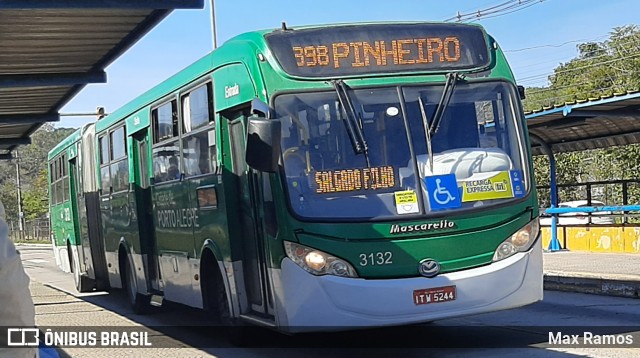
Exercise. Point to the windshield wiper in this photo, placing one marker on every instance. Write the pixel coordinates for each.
(427, 131)
(452, 78)
(431, 130)
(353, 122)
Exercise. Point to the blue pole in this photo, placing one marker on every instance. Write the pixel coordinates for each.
(554, 244)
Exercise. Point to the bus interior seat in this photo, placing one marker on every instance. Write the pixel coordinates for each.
(458, 128)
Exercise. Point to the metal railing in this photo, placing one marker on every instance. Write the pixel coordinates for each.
(554, 245)
(610, 193)
(33, 230)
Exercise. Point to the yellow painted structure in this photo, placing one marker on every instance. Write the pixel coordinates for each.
(614, 239)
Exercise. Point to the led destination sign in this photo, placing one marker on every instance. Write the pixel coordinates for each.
(345, 180)
(363, 49)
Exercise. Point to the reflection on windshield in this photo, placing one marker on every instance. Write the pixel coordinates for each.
(477, 151)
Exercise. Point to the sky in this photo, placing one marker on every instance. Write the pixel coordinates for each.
(536, 38)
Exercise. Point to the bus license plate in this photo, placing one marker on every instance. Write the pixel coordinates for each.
(434, 295)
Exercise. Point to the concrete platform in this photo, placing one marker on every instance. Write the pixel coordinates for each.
(613, 274)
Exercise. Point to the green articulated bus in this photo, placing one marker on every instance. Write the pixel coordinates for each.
(312, 178)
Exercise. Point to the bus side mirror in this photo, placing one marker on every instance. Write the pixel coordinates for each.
(521, 92)
(263, 144)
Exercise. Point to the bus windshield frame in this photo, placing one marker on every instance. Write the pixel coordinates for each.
(326, 180)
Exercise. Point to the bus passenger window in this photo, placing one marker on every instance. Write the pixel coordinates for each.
(165, 122)
(198, 144)
(198, 154)
(166, 164)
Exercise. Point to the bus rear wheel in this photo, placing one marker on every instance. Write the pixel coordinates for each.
(139, 303)
(82, 281)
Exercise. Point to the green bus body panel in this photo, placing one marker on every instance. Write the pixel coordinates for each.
(116, 221)
(138, 121)
(62, 224)
(468, 247)
(73, 151)
(232, 86)
(65, 144)
(62, 215)
(212, 224)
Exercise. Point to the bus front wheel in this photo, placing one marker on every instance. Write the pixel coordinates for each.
(216, 301)
(215, 295)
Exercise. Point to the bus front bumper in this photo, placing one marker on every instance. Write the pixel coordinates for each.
(305, 302)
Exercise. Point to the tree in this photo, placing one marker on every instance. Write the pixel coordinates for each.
(599, 69)
(35, 203)
(33, 173)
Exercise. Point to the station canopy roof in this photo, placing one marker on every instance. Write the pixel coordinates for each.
(589, 124)
(51, 49)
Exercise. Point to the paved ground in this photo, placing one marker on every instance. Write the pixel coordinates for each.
(596, 273)
(58, 304)
(620, 265)
(57, 308)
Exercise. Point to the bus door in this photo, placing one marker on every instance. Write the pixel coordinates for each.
(142, 192)
(173, 213)
(201, 174)
(90, 258)
(89, 210)
(78, 210)
(254, 247)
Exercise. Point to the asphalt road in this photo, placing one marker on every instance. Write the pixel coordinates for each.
(524, 331)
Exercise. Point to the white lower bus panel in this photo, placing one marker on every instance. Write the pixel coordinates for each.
(329, 303)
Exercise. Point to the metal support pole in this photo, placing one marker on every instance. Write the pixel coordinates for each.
(20, 213)
(554, 244)
(625, 200)
(213, 24)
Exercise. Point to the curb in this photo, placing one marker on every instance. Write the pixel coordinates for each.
(598, 285)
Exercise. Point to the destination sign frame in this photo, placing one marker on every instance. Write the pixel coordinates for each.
(354, 50)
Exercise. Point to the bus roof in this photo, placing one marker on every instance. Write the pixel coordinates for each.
(65, 143)
(226, 53)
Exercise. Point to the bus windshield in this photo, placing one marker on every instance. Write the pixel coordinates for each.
(477, 150)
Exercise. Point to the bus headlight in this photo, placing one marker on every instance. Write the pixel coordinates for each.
(520, 241)
(318, 262)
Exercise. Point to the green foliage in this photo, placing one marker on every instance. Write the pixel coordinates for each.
(600, 69)
(9, 197)
(33, 174)
(36, 201)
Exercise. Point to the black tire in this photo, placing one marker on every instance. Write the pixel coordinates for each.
(215, 297)
(82, 281)
(138, 302)
(218, 304)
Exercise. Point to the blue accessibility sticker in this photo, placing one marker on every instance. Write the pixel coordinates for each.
(517, 183)
(443, 192)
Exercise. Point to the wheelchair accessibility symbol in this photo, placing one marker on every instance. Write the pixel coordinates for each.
(441, 195)
(443, 191)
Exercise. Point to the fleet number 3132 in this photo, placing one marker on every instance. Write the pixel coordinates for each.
(376, 258)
